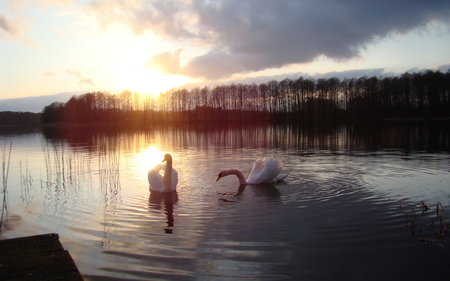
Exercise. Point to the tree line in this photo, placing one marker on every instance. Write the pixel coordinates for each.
(25, 119)
(418, 95)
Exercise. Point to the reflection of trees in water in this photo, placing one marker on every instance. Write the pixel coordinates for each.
(364, 136)
(408, 136)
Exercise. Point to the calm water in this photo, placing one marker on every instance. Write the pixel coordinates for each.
(349, 209)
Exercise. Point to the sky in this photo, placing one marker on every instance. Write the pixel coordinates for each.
(55, 46)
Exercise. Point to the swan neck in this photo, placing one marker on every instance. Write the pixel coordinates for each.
(239, 175)
(168, 175)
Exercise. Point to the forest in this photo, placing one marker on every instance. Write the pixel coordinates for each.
(25, 119)
(421, 95)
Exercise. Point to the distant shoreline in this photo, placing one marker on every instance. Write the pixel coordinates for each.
(10, 119)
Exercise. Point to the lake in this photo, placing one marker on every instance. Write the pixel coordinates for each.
(361, 202)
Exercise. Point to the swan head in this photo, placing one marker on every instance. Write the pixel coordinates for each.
(167, 158)
(221, 175)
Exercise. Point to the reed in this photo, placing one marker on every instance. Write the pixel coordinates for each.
(6, 160)
(26, 182)
(69, 171)
(422, 221)
(109, 169)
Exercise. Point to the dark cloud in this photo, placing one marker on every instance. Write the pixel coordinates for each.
(254, 35)
(216, 64)
(81, 79)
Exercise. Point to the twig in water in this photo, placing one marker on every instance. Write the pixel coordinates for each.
(440, 215)
(420, 222)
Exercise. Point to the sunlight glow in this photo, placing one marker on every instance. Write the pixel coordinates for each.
(146, 80)
(149, 158)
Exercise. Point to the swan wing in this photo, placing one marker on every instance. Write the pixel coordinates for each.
(155, 180)
(265, 170)
(174, 179)
(254, 176)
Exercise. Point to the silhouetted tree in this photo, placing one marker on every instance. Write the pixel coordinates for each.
(53, 113)
(425, 94)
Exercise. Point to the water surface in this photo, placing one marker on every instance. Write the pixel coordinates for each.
(350, 208)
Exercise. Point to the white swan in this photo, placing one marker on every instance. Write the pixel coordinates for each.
(266, 170)
(166, 183)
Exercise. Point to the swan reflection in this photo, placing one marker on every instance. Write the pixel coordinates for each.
(164, 201)
(267, 191)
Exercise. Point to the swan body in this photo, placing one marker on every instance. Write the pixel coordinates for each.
(163, 183)
(266, 170)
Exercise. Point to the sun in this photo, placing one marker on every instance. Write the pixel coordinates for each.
(145, 80)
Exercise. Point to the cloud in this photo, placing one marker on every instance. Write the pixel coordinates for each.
(354, 73)
(81, 80)
(48, 74)
(346, 74)
(444, 68)
(244, 36)
(7, 27)
(11, 30)
(168, 62)
(165, 18)
(58, 2)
